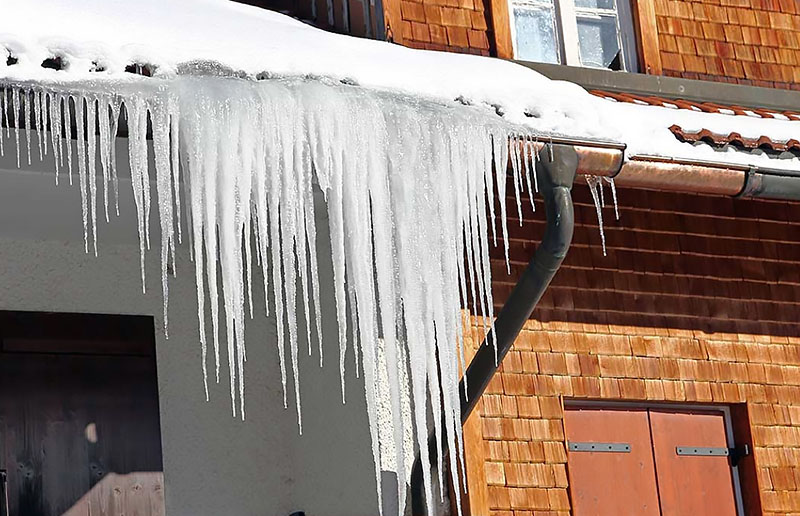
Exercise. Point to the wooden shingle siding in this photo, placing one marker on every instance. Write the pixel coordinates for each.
(753, 42)
(750, 42)
(697, 301)
(449, 25)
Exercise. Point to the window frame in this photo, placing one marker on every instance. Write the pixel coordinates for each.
(725, 409)
(544, 4)
(566, 30)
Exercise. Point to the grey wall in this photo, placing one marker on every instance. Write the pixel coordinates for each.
(213, 464)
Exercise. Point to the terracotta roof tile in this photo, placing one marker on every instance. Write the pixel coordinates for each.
(705, 135)
(708, 107)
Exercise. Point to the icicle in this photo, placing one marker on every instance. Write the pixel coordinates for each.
(530, 169)
(500, 168)
(106, 141)
(595, 184)
(68, 133)
(37, 114)
(91, 152)
(516, 174)
(613, 186)
(405, 184)
(54, 113)
(137, 149)
(26, 106)
(3, 121)
(44, 118)
(115, 114)
(15, 109)
(80, 117)
(161, 151)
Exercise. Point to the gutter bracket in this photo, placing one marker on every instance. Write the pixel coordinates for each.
(752, 183)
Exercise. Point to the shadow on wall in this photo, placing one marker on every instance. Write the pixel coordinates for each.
(706, 263)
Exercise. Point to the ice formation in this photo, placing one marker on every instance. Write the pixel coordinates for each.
(596, 189)
(406, 184)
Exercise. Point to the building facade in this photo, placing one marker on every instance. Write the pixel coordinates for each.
(659, 373)
(685, 333)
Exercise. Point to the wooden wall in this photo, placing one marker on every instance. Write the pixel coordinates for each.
(449, 25)
(754, 42)
(750, 42)
(354, 17)
(697, 300)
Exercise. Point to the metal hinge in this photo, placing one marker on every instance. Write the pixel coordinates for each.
(704, 451)
(600, 447)
(735, 454)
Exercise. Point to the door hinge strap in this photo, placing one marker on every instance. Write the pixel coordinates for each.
(704, 451)
(600, 447)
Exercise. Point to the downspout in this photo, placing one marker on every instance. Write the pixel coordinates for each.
(555, 169)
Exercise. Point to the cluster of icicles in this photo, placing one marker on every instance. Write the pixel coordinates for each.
(405, 183)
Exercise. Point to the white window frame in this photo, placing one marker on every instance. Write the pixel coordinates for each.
(546, 4)
(566, 28)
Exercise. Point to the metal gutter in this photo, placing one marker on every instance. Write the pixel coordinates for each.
(770, 185)
(689, 176)
(556, 172)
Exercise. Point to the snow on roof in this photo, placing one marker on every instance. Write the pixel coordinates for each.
(97, 39)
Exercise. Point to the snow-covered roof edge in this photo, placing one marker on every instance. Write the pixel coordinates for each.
(98, 39)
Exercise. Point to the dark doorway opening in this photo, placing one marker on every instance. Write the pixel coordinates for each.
(79, 415)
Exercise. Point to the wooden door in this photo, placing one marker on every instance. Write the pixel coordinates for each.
(692, 477)
(611, 483)
(79, 425)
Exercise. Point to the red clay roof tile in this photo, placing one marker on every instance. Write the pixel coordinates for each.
(705, 135)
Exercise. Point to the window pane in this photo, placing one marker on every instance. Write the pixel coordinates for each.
(598, 40)
(595, 4)
(536, 33)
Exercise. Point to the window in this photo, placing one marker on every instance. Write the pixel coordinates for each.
(593, 33)
(659, 460)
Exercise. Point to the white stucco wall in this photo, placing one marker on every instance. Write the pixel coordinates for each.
(213, 464)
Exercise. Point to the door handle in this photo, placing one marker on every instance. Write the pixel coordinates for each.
(4, 492)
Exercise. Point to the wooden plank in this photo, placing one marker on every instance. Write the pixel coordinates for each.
(357, 18)
(748, 466)
(476, 501)
(644, 15)
(501, 28)
(692, 484)
(618, 484)
(393, 20)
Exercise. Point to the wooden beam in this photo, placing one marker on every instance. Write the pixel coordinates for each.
(393, 21)
(501, 28)
(476, 501)
(644, 14)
